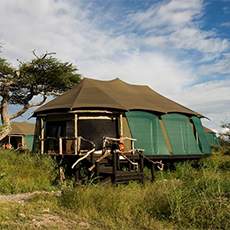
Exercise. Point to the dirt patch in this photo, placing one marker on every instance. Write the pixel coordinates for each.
(45, 219)
(25, 196)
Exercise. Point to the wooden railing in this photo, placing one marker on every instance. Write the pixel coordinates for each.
(78, 142)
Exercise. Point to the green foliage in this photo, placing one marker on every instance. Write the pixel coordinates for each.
(43, 76)
(23, 172)
(6, 71)
(223, 150)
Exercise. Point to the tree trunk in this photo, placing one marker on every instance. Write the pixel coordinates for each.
(4, 113)
(6, 128)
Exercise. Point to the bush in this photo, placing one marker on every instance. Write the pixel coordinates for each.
(23, 172)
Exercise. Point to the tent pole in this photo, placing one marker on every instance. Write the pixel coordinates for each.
(42, 136)
(121, 125)
(9, 142)
(75, 135)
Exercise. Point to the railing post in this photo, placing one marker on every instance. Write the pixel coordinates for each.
(133, 147)
(60, 145)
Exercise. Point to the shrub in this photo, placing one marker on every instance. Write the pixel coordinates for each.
(23, 172)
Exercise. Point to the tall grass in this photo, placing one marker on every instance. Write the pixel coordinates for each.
(188, 197)
(23, 172)
(196, 195)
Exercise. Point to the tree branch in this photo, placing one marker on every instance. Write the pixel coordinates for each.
(43, 56)
(26, 107)
(50, 93)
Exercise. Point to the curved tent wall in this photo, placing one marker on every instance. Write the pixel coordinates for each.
(203, 142)
(145, 127)
(180, 134)
(212, 139)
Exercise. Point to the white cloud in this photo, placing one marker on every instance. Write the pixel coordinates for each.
(150, 47)
(221, 66)
(211, 99)
(175, 25)
(227, 24)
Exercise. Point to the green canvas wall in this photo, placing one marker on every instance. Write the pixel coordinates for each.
(29, 141)
(203, 142)
(180, 134)
(145, 127)
(212, 139)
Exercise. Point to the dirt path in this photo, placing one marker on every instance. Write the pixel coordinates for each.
(25, 196)
(40, 220)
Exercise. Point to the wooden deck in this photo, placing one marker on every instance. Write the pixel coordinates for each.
(112, 170)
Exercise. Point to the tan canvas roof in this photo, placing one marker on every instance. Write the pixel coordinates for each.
(115, 95)
(207, 130)
(22, 128)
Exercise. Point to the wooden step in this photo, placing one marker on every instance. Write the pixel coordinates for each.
(126, 176)
(106, 181)
(121, 176)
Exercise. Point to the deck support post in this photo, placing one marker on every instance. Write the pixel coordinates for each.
(9, 142)
(115, 158)
(141, 158)
(77, 174)
(92, 158)
(97, 171)
(153, 172)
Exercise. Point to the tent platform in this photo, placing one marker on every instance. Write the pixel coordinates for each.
(115, 169)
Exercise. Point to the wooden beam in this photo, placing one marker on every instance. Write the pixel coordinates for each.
(60, 145)
(75, 134)
(42, 136)
(121, 125)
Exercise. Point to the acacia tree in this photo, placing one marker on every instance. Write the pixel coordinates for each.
(44, 75)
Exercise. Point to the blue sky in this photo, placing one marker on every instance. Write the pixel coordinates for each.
(180, 48)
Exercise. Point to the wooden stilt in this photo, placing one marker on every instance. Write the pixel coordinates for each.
(141, 163)
(97, 170)
(153, 172)
(114, 165)
(77, 174)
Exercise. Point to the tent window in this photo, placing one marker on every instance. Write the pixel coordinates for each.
(95, 129)
(55, 129)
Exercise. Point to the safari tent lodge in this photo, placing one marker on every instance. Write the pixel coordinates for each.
(211, 137)
(113, 120)
(21, 136)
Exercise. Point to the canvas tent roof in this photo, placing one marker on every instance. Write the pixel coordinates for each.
(22, 128)
(115, 94)
(207, 130)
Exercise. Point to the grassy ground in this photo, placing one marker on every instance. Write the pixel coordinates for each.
(193, 196)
